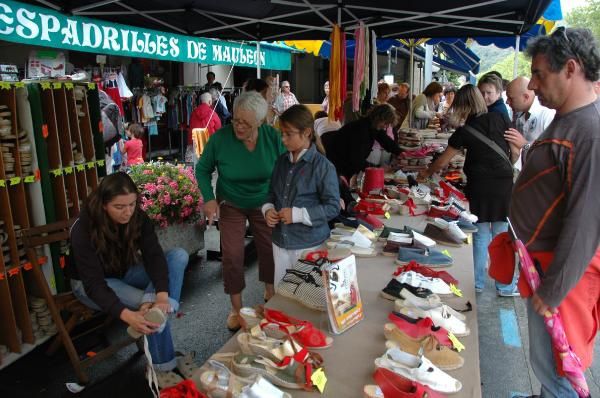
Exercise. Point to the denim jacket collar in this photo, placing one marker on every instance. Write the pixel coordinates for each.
(307, 156)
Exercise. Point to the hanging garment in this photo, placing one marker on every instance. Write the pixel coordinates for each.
(113, 93)
(124, 91)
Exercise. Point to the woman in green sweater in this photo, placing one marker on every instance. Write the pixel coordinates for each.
(244, 154)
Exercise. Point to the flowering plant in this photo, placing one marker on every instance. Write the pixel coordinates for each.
(169, 193)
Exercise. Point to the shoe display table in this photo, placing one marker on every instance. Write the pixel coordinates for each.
(349, 363)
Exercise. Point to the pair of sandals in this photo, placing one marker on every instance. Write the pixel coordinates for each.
(277, 324)
(218, 381)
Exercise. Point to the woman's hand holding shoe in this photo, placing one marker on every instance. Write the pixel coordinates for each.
(136, 320)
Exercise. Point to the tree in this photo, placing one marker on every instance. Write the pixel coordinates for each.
(587, 16)
(505, 67)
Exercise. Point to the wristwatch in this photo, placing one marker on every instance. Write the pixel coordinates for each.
(526, 146)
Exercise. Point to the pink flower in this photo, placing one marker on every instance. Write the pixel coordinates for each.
(150, 187)
(167, 199)
(160, 187)
(188, 199)
(148, 171)
(173, 185)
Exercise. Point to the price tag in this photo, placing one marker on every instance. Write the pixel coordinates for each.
(38, 175)
(5, 86)
(90, 165)
(387, 215)
(100, 162)
(319, 379)
(69, 86)
(29, 179)
(68, 170)
(62, 263)
(57, 85)
(2, 183)
(455, 342)
(100, 128)
(56, 172)
(53, 282)
(27, 266)
(14, 271)
(45, 86)
(20, 85)
(455, 290)
(80, 167)
(1, 276)
(15, 181)
(45, 130)
(447, 253)
(91, 86)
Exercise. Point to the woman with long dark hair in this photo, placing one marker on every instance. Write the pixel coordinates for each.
(489, 174)
(120, 268)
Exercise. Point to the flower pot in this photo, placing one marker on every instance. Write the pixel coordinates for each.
(189, 237)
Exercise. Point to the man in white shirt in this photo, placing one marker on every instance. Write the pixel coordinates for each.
(530, 117)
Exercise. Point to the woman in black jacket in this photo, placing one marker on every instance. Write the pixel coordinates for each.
(120, 268)
(489, 174)
(349, 147)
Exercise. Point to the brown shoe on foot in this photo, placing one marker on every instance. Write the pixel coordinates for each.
(233, 321)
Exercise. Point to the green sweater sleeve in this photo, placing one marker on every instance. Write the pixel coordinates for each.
(204, 169)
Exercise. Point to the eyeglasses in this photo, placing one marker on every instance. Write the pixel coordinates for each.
(562, 30)
(241, 123)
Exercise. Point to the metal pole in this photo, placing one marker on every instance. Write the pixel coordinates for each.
(516, 62)
(389, 70)
(411, 73)
(258, 59)
(428, 64)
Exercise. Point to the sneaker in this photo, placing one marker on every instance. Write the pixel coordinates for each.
(412, 278)
(465, 226)
(233, 321)
(154, 315)
(510, 293)
(442, 236)
(394, 287)
(427, 257)
(452, 227)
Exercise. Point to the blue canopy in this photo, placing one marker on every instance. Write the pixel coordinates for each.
(458, 57)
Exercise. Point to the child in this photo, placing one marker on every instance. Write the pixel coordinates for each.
(303, 194)
(133, 147)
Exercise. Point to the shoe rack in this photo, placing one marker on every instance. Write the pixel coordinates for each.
(48, 165)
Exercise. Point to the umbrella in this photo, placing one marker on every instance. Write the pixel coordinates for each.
(571, 364)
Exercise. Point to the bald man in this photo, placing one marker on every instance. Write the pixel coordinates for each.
(531, 117)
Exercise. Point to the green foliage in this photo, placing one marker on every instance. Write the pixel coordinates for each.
(506, 65)
(489, 55)
(587, 16)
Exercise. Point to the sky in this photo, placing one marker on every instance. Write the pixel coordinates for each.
(567, 5)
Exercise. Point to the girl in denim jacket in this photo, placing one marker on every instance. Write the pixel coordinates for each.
(303, 194)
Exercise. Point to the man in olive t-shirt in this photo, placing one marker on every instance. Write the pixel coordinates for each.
(554, 207)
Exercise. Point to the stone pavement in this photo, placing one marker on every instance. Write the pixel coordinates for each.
(503, 346)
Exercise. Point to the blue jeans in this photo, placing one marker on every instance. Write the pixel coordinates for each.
(542, 359)
(136, 288)
(486, 231)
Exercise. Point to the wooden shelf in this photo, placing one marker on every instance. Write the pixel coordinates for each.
(58, 126)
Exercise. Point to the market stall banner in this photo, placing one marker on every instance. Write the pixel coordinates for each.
(24, 23)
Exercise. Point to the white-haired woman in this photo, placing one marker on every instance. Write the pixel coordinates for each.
(244, 154)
